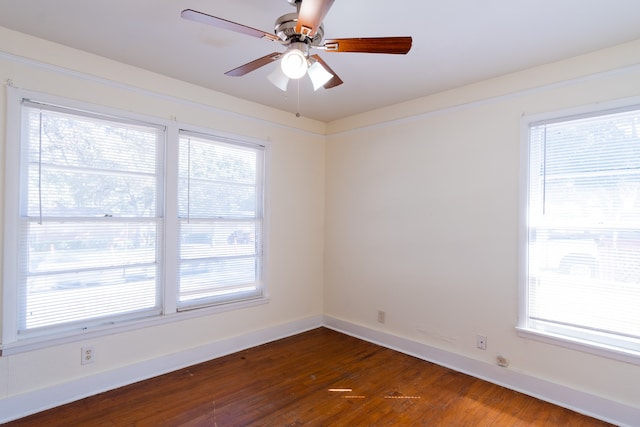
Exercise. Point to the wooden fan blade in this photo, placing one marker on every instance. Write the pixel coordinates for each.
(311, 15)
(254, 65)
(395, 45)
(335, 80)
(203, 18)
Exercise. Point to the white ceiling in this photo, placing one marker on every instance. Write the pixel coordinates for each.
(455, 42)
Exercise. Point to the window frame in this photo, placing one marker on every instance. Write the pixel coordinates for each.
(10, 343)
(525, 328)
(257, 219)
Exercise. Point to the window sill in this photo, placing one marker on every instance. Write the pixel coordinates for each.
(615, 353)
(41, 342)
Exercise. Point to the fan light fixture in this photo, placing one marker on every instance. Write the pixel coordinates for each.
(319, 75)
(294, 64)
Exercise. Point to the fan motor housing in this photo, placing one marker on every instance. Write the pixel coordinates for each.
(285, 29)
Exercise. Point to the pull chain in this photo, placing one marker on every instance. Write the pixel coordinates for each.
(298, 106)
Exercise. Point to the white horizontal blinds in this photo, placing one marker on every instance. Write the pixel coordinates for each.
(220, 220)
(89, 220)
(584, 227)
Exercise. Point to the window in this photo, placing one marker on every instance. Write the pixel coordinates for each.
(87, 240)
(220, 221)
(582, 268)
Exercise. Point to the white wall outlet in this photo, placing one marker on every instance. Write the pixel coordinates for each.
(88, 355)
(381, 316)
(481, 342)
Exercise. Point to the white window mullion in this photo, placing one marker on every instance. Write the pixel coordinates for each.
(171, 237)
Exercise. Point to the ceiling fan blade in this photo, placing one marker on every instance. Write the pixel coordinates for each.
(395, 45)
(203, 18)
(335, 80)
(254, 65)
(311, 15)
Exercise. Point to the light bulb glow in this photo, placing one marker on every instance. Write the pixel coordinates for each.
(294, 64)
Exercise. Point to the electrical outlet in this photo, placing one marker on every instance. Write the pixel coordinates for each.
(481, 342)
(88, 355)
(381, 316)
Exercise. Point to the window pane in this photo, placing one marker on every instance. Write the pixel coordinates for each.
(89, 229)
(81, 166)
(217, 180)
(584, 228)
(220, 193)
(218, 259)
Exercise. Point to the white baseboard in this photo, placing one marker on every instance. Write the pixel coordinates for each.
(14, 407)
(576, 400)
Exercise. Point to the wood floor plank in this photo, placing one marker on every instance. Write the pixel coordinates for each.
(288, 383)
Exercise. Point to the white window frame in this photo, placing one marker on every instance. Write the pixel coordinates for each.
(527, 328)
(10, 343)
(215, 216)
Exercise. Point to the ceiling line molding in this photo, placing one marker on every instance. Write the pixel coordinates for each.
(146, 92)
(488, 100)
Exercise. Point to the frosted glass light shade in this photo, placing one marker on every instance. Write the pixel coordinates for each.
(278, 78)
(319, 75)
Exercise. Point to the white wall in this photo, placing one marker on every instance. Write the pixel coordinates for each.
(295, 203)
(422, 218)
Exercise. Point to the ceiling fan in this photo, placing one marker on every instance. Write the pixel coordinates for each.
(300, 32)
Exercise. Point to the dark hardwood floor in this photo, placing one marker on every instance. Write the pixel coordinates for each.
(289, 382)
